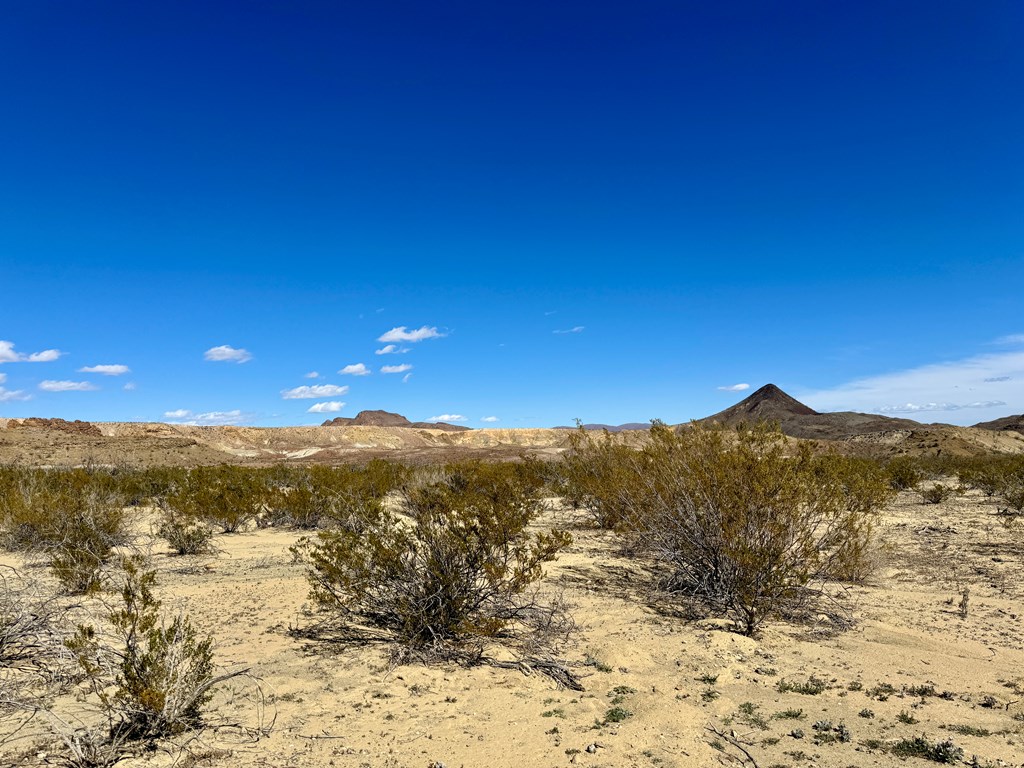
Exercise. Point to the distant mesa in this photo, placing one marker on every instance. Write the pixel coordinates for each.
(1005, 424)
(388, 419)
(75, 427)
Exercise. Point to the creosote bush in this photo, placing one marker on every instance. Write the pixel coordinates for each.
(453, 569)
(151, 678)
(742, 522)
(937, 493)
(225, 496)
(73, 518)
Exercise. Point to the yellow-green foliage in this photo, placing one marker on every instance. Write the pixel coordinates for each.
(75, 518)
(745, 523)
(453, 568)
(164, 672)
(596, 474)
(309, 497)
(226, 496)
(905, 474)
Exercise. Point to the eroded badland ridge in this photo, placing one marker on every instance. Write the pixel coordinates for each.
(370, 434)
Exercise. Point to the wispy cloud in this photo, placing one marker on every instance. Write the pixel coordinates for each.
(129, 386)
(734, 388)
(8, 355)
(227, 353)
(396, 368)
(405, 379)
(313, 392)
(329, 407)
(490, 419)
(66, 386)
(391, 349)
(208, 419)
(401, 333)
(356, 369)
(446, 417)
(1013, 338)
(106, 370)
(918, 407)
(312, 375)
(960, 387)
(9, 395)
(574, 329)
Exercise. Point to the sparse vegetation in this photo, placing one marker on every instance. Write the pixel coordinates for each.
(458, 569)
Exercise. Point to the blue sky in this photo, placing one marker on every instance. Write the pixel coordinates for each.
(612, 212)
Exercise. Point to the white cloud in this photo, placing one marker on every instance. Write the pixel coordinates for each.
(66, 386)
(226, 353)
(3, 378)
(312, 375)
(8, 355)
(490, 419)
(405, 379)
(208, 419)
(7, 395)
(391, 349)
(917, 408)
(395, 368)
(734, 388)
(574, 329)
(329, 407)
(446, 417)
(313, 392)
(969, 389)
(129, 386)
(46, 356)
(402, 334)
(356, 369)
(106, 370)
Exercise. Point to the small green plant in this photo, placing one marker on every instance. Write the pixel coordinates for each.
(789, 714)
(936, 751)
(153, 678)
(810, 687)
(936, 494)
(186, 536)
(866, 713)
(616, 715)
(968, 730)
(906, 718)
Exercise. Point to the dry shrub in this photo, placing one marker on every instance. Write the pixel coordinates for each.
(937, 493)
(744, 525)
(456, 568)
(905, 474)
(225, 496)
(151, 678)
(73, 518)
(311, 497)
(594, 473)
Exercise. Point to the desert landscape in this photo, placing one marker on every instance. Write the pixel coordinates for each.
(928, 664)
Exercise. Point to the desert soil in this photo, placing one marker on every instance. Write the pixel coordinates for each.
(338, 704)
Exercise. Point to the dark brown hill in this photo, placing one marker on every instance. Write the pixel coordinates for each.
(1005, 424)
(770, 403)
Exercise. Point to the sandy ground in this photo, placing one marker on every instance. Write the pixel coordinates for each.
(343, 705)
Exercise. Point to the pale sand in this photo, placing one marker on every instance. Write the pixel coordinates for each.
(340, 705)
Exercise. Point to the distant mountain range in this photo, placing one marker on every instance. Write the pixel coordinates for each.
(388, 419)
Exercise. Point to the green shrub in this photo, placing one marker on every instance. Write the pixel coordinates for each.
(153, 679)
(225, 496)
(905, 474)
(598, 474)
(186, 536)
(937, 493)
(454, 569)
(936, 751)
(745, 526)
(72, 518)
